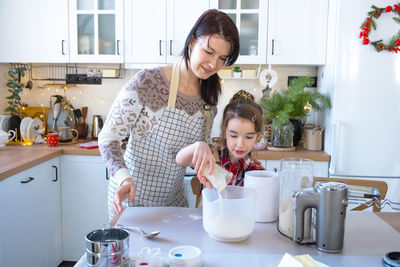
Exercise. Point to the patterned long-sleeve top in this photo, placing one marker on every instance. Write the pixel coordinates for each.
(136, 112)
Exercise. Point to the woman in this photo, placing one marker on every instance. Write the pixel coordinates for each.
(165, 109)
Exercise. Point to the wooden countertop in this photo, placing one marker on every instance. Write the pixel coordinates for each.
(300, 152)
(16, 158)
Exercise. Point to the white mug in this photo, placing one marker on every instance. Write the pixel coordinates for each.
(4, 137)
(266, 184)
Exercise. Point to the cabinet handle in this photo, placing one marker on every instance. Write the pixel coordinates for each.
(118, 48)
(27, 181)
(159, 47)
(273, 46)
(55, 167)
(107, 178)
(62, 47)
(170, 47)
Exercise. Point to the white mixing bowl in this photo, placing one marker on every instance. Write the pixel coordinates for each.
(230, 219)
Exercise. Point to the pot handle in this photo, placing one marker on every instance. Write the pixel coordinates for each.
(12, 136)
(76, 134)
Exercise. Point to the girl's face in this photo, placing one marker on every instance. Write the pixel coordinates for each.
(240, 138)
(208, 55)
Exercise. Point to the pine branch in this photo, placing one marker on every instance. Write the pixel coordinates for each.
(373, 24)
(394, 39)
(396, 19)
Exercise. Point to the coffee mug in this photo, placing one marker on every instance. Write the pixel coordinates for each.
(266, 184)
(52, 139)
(66, 134)
(4, 137)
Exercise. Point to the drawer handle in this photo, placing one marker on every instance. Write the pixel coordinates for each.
(27, 181)
(55, 167)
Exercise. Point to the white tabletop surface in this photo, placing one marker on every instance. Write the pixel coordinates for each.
(367, 239)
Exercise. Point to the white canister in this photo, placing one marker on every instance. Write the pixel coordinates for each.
(266, 183)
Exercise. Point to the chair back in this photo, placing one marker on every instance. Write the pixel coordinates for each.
(196, 189)
(381, 186)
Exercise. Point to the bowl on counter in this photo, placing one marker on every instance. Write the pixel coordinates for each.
(229, 217)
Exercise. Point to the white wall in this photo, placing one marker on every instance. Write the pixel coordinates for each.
(98, 98)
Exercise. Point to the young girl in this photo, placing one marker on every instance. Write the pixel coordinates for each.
(241, 128)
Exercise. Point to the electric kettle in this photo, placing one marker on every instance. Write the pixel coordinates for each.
(96, 126)
(330, 200)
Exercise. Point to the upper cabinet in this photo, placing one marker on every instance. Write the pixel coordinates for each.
(297, 32)
(34, 31)
(156, 30)
(96, 31)
(250, 17)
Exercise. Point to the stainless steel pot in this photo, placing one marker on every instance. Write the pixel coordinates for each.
(108, 247)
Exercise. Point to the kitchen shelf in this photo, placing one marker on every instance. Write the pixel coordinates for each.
(58, 72)
(243, 78)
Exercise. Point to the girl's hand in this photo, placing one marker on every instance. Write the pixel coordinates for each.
(127, 190)
(204, 181)
(203, 156)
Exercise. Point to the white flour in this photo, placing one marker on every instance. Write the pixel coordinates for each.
(227, 223)
(286, 218)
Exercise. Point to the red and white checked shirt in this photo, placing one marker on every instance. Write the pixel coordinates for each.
(238, 170)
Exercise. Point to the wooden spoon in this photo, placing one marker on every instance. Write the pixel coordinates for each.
(84, 113)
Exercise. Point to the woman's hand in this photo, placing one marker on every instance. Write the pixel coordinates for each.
(127, 190)
(203, 156)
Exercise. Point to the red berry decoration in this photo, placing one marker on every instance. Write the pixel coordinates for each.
(369, 25)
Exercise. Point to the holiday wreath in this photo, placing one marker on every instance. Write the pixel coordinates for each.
(394, 44)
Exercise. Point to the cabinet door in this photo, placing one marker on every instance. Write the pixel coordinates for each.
(181, 16)
(96, 31)
(84, 201)
(251, 20)
(145, 31)
(34, 31)
(297, 32)
(29, 207)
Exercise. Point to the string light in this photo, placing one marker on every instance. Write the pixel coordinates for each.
(67, 88)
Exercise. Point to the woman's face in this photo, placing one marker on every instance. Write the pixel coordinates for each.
(208, 55)
(240, 138)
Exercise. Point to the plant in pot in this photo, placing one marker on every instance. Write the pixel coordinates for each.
(237, 72)
(288, 109)
(15, 87)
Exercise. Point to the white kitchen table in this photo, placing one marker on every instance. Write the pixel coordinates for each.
(367, 239)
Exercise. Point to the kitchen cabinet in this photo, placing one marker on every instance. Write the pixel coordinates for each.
(251, 20)
(156, 30)
(34, 31)
(96, 31)
(30, 226)
(320, 167)
(297, 32)
(84, 201)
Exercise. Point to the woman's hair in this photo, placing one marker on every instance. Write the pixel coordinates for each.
(214, 22)
(242, 106)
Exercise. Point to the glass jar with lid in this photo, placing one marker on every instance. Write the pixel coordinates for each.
(296, 174)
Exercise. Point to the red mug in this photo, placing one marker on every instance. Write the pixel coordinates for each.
(52, 139)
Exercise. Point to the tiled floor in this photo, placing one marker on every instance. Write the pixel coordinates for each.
(67, 264)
